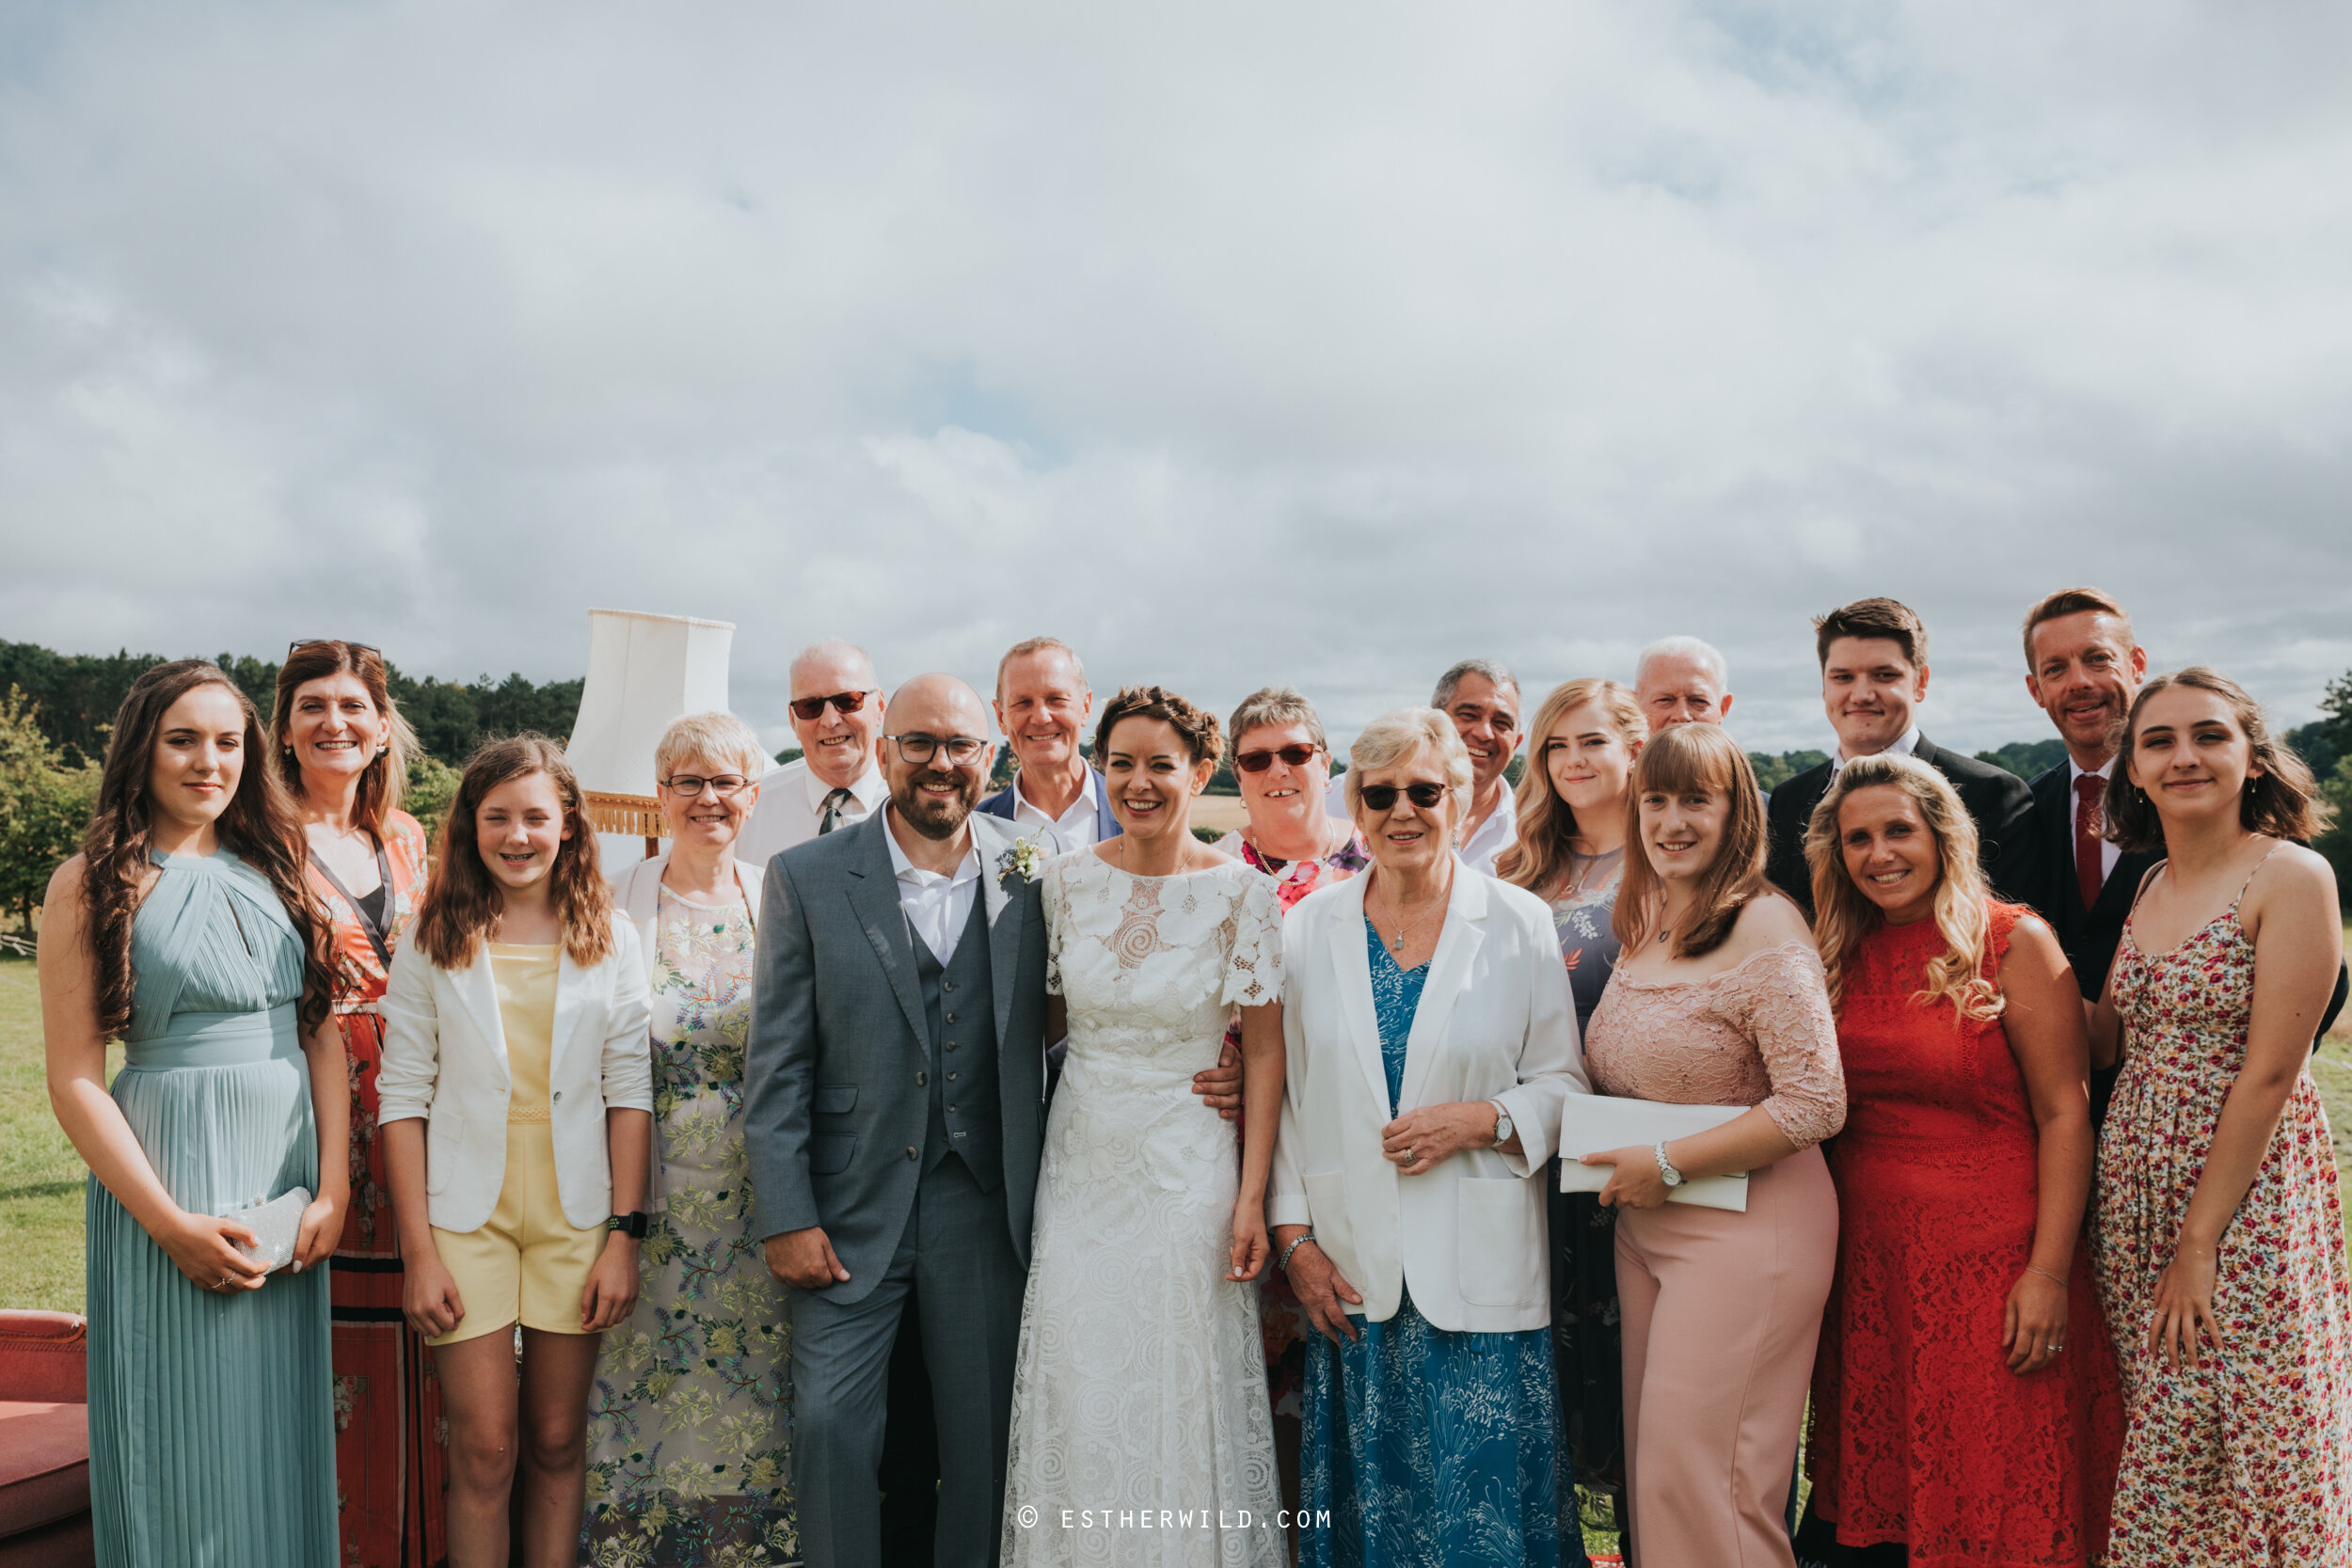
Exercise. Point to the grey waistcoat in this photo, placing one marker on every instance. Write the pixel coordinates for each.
(962, 1012)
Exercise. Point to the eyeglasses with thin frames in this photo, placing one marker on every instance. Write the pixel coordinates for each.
(687, 786)
(916, 750)
(1383, 797)
(807, 709)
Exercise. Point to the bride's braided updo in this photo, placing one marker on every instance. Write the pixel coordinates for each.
(1196, 726)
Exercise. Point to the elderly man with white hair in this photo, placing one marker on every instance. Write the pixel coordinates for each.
(837, 708)
(1681, 680)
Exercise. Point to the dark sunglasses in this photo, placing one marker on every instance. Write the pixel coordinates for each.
(808, 708)
(1258, 762)
(301, 642)
(1383, 797)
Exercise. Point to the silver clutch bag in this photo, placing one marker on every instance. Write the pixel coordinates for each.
(275, 1225)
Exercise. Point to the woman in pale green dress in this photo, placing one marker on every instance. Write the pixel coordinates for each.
(691, 1421)
(182, 928)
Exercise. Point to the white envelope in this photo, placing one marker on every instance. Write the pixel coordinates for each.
(1593, 1123)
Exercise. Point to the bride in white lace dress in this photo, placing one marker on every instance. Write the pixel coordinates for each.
(1142, 1381)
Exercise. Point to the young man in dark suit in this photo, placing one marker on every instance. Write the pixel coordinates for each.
(1874, 676)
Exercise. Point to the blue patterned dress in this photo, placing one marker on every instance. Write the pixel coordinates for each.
(1424, 1446)
(212, 1422)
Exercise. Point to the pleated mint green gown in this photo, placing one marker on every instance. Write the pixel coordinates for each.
(211, 1418)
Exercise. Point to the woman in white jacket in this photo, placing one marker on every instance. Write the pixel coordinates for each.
(1432, 1043)
(515, 1102)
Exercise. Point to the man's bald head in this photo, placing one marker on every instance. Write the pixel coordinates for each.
(935, 795)
(938, 704)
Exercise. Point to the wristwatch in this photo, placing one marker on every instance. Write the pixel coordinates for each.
(1666, 1171)
(1503, 1123)
(632, 1225)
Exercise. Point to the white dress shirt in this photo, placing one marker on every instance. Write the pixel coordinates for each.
(1905, 744)
(791, 801)
(936, 907)
(1075, 829)
(1496, 834)
(2110, 851)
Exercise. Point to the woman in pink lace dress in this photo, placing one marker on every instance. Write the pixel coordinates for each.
(1718, 999)
(2218, 1245)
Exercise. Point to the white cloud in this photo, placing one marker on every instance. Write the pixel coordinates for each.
(1320, 344)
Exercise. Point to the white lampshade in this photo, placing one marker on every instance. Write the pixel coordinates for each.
(643, 671)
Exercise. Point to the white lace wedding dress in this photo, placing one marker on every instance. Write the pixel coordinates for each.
(1142, 1381)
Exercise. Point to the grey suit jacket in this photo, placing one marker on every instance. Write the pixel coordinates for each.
(832, 1108)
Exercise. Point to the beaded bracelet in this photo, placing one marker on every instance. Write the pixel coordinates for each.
(1297, 1241)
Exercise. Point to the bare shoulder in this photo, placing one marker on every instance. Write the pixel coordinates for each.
(2294, 880)
(65, 883)
(2034, 952)
(1768, 920)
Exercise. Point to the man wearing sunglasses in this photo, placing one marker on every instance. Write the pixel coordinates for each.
(1482, 697)
(838, 717)
(1043, 705)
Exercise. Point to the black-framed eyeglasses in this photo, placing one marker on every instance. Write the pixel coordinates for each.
(915, 749)
(1383, 797)
(301, 642)
(1258, 762)
(687, 786)
(807, 709)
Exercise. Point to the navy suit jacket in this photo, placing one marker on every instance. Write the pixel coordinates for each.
(1002, 805)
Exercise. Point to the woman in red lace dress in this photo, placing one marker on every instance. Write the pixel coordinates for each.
(1965, 1399)
(2219, 1241)
(341, 749)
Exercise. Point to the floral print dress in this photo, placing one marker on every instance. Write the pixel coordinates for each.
(691, 1421)
(2246, 1457)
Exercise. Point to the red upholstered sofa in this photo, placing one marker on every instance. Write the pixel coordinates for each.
(45, 1441)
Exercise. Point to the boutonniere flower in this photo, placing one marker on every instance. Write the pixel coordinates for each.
(1024, 860)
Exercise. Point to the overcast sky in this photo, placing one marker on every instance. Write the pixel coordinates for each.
(1236, 344)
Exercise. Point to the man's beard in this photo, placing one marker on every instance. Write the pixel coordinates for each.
(929, 814)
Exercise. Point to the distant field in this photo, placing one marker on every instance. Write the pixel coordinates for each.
(1222, 813)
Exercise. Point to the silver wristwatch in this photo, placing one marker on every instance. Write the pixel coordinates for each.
(1503, 1123)
(1666, 1171)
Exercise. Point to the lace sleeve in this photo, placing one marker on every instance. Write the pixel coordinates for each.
(1054, 898)
(1780, 1000)
(1253, 975)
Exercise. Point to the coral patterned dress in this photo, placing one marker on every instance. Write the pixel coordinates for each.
(2247, 1457)
(1921, 1434)
(390, 1459)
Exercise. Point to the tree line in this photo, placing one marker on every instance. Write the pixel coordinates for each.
(55, 710)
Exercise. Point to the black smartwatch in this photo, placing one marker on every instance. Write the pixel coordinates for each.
(632, 1225)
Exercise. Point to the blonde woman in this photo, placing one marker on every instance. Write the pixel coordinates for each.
(691, 1421)
(1570, 851)
(1963, 1384)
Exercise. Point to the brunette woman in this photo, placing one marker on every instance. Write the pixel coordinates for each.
(1717, 1000)
(341, 750)
(183, 928)
(517, 1104)
(1570, 851)
(1964, 1393)
(2218, 1244)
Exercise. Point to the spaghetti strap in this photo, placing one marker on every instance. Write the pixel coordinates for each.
(2146, 881)
(2276, 846)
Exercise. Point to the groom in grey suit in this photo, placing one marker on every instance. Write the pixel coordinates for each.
(895, 1116)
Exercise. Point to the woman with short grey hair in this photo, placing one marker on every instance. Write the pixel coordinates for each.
(706, 1339)
(1431, 1043)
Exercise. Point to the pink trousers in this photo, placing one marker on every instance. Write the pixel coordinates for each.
(1721, 1313)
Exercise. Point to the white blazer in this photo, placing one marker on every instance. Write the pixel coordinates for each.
(637, 891)
(445, 1061)
(1496, 1022)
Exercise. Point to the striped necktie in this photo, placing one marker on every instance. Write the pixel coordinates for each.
(829, 817)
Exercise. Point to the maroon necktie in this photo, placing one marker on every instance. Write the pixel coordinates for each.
(2088, 790)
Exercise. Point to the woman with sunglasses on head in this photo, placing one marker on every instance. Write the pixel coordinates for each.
(690, 1427)
(1284, 764)
(1431, 1045)
(183, 928)
(342, 749)
(2218, 1241)
(1570, 850)
(1717, 999)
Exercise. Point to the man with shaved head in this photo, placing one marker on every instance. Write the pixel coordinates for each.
(837, 707)
(894, 1116)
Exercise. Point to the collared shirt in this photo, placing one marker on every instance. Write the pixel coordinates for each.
(2110, 851)
(1496, 834)
(936, 907)
(791, 801)
(1905, 744)
(1076, 829)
